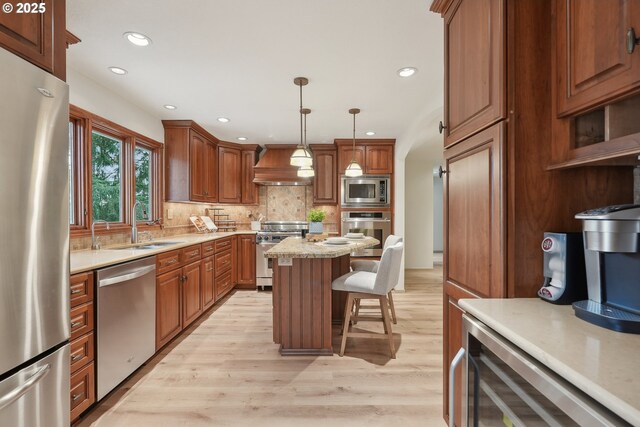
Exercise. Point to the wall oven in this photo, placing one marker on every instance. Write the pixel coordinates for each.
(376, 224)
(502, 385)
(365, 191)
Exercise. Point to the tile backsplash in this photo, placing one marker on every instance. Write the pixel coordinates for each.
(276, 203)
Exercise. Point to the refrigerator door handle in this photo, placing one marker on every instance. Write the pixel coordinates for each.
(125, 277)
(22, 389)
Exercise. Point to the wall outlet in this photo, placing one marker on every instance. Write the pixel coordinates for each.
(169, 213)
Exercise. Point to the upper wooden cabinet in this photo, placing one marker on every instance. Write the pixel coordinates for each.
(229, 171)
(325, 181)
(474, 67)
(375, 156)
(593, 61)
(37, 37)
(249, 190)
(191, 166)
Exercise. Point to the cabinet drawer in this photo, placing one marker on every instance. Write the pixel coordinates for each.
(81, 320)
(223, 244)
(223, 285)
(208, 249)
(223, 262)
(82, 390)
(81, 286)
(192, 253)
(81, 351)
(167, 261)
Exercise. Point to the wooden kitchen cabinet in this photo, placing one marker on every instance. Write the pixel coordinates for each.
(346, 154)
(375, 156)
(246, 270)
(203, 172)
(474, 43)
(379, 159)
(82, 393)
(593, 64)
(229, 168)
(208, 282)
(37, 37)
(325, 181)
(168, 307)
(191, 293)
(249, 190)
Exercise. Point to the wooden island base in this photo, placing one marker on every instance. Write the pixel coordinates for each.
(304, 305)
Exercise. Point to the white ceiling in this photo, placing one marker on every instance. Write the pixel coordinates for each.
(238, 58)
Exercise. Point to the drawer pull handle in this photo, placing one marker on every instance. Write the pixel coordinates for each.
(194, 253)
(171, 261)
(76, 397)
(76, 357)
(76, 291)
(209, 269)
(76, 324)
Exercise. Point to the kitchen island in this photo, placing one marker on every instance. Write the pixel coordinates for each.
(304, 307)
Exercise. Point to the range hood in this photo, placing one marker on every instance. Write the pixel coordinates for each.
(273, 168)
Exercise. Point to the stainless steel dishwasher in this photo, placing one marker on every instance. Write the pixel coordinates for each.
(126, 320)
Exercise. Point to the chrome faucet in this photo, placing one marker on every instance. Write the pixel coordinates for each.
(134, 223)
(95, 244)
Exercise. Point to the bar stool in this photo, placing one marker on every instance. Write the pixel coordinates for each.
(372, 266)
(368, 285)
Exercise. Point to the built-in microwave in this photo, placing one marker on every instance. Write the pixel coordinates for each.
(365, 191)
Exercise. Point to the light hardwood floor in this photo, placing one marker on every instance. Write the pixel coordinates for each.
(226, 371)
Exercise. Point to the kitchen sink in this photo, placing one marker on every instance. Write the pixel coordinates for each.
(147, 246)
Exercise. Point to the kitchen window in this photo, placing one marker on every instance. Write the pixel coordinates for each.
(110, 167)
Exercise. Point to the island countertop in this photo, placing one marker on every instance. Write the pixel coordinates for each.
(297, 247)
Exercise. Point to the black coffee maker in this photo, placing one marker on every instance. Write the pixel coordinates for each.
(612, 258)
(564, 271)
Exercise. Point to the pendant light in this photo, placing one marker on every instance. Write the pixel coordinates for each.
(301, 156)
(306, 171)
(353, 169)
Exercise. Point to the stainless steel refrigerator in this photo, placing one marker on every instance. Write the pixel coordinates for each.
(34, 246)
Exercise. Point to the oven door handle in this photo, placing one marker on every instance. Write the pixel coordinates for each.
(365, 220)
(452, 385)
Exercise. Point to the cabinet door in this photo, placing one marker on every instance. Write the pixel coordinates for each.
(168, 307)
(325, 181)
(229, 168)
(345, 155)
(247, 261)
(249, 190)
(191, 295)
(474, 212)
(592, 57)
(474, 67)
(379, 159)
(208, 276)
(197, 170)
(234, 260)
(211, 173)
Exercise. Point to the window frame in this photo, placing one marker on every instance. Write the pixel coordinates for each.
(87, 123)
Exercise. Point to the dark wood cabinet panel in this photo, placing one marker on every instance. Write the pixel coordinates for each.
(211, 173)
(249, 190)
(223, 285)
(474, 67)
(208, 282)
(81, 351)
(197, 161)
(379, 159)
(168, 307)
(234, 260)
(593, 64)
(246, 261)
(82, 390)
(191, 294)
(229, 167)
(81, 320)
(473, 227)
(325, 181)
(81, 288)
(223, 261)
(346, 154)
(37, 37)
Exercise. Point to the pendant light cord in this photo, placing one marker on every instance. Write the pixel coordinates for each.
(301, 115)
(353, 150)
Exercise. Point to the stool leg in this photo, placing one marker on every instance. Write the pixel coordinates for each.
(393, 308)
(382, 308)
(385, 316)
(347, 318)
(357, 310)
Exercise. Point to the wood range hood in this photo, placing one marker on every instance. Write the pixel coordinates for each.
(273, 168)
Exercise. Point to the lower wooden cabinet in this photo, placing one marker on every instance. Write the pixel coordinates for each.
(191, 294)
(223, 285)
(207, 274)
(246, 261)
(82, 390)
(168, 307)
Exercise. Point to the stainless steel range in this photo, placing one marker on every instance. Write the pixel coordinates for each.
(272, 233)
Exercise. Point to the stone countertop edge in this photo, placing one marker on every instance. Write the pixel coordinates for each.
(297, 247)
(600, 362)
(87, 260)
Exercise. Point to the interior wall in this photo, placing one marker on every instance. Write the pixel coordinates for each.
(419, 211)
(438, 201)
(91, 96)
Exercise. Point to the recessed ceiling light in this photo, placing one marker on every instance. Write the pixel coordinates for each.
(117, 70)
(370, 133)
(407, 71)
(137, 39)
(170, 107)
(223, 120)
(242, 138)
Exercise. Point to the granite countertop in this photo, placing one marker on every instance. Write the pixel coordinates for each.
(602, 363)
(90, 259)
(297, 247)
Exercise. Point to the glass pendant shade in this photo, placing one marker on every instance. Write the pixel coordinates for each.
(353, 169)
(306, 172)
(301, 157)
